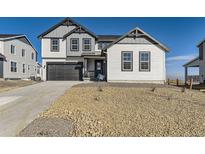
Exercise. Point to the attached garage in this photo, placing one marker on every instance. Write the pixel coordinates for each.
(64, 71)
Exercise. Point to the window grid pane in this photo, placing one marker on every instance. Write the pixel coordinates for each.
(127, 61)
(144, 61)
(74, 45)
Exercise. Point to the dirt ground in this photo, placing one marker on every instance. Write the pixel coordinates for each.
(116, 110)
(6, 85)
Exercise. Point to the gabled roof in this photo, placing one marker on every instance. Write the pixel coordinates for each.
(137, 32)
(200, 42)
(6, 37)
(2, 36)
(192, 63)
(67, 21)
(109, 38)
(79, 30)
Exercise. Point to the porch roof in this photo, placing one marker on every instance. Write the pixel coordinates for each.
(193, 63)
(2, 56)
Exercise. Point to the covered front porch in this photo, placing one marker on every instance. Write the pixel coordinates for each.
(93, 66)
(191, 64)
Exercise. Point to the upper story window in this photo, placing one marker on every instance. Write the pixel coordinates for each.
(74, 44)
(13, 66)
(32, 55)
(127, 61)
(86, 44)
(101, 45)
(201, 52)
(54, 45)
(23, 52)
(144, 61)
(13, 49)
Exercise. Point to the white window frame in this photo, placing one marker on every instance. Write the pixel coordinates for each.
(88, 45)
(13, 68)
(71, 44)
(148, 61)
(126, 61)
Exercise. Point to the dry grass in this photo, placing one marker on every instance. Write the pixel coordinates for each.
(115, 111)
(13, 84)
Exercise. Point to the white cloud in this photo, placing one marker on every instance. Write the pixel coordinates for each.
(181, 58)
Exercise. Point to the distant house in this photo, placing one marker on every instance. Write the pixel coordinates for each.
(197, 62)
(39, 71)
(17, 57)
(72, 52)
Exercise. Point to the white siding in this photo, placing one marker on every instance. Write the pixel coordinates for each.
(46, 51)
(156, 75)
(60, 31)
(17, 57)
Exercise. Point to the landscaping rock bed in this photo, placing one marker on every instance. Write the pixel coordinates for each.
(133, 111)
(48, 127)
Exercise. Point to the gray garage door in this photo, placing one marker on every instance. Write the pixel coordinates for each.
(61, 71)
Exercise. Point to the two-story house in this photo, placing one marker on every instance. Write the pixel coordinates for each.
(72, 52)
(17, 57)
(197, 62)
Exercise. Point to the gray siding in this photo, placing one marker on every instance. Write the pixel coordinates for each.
(1, 68)
(60, 31)
(129, 40)
(80, 37)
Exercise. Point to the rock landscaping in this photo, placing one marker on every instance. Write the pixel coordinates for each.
(120, 111)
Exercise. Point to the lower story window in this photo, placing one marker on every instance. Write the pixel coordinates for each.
(24, 68)
(127, 60)
(144, 61)
(13, 66)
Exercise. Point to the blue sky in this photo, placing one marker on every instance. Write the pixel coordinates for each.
(181, 35)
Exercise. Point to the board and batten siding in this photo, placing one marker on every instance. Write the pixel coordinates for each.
(59, 32)
(129, 40)
(79, 36)
(17, 57)
(157, 73)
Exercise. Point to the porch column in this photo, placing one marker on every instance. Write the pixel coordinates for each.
(85, 65)
(186, 74)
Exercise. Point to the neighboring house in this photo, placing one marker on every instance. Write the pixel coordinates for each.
(17, 57)
(72, 52)
(197, 62)
(39, 71)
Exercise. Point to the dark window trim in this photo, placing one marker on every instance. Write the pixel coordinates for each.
(71, 44)
(83, 45)
(13, 69)
(32, 56)
(24, 68)
(51, 45)
(23, 51)
(144, 70)
(14, 49)
(122, 66)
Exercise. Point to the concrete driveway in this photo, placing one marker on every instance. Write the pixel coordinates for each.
(20, 106)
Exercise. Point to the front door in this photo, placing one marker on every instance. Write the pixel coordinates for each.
(98, 67)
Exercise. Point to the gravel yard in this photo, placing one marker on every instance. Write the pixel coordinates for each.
(6, 85)
(115, 110)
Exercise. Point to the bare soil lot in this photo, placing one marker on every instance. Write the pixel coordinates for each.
(116, 110)
(6, 85)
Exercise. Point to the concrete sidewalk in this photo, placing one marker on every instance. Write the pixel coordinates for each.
(20, 106)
